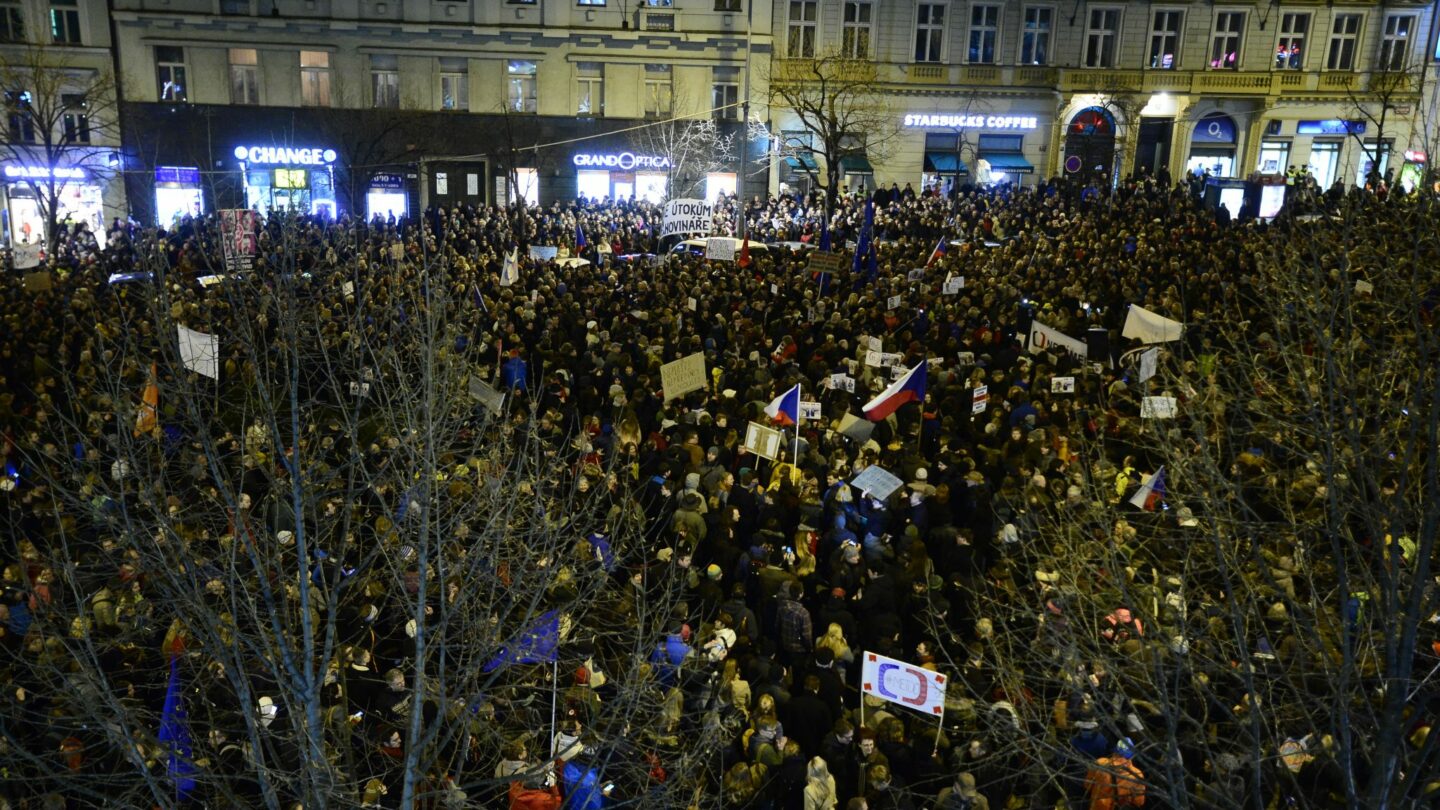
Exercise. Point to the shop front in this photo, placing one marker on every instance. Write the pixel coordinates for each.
(994, 146)
(621, 175)
(284, 178)
(177, 194)
(1090, 143)
(81, 199)
(385, 197)
(1212, 146)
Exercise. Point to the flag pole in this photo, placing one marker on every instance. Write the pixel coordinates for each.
(939, 729)
(795, 466)
(554, 681)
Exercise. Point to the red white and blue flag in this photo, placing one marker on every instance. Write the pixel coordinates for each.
(910, 388)
(785, 409)
(938, 253)
(1150, 493)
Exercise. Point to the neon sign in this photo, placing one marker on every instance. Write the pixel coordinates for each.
(43, 173)
(625, 161)
(285, 155)
(972, 121)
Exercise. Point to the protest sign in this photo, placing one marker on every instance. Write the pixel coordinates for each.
(1158, 408)
(762, 441)
(875, 344)
(720, 248)
(822, 261)
(980, 399)
(953, 285)
(1062, 385)
(1149, 327)
(906, 684)
(1043, 338)
(544, 253)
(877, 482)
(1149, 360)
(874, 358)
(485, 394)
(967, 358)
(682, 376)
(842, 382)
(199, 352)
(237, 232)
(809, 410)
(685, 216)
(27, 256)
(691, 304)
(918, 274)
(893, 302)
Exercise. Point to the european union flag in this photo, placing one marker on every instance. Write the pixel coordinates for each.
(534, 645)
(175, 735)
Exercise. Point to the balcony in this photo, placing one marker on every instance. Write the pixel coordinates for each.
(929, 74)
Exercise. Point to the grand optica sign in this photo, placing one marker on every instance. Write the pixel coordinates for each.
(17, 172)
(285, 155)
(624, 161)
(971, 121)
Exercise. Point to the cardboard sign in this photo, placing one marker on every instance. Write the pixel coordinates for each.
(825, 262)
(953, 285)
(893, 302)
(683, 376)
(875, 344)
(691, 304)
(38, 282)
(841, 382)
(980, 399)
(873, 358)
(877, 482)
(810, 410)
(1158, 408)
(720, 248)
(1062, 385)
(762, 441)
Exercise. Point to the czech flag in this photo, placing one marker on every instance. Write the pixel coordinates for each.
(579, 236)
(785, 409)
(1150, 493)
(910, 388)
(937, 254)
(745, 252)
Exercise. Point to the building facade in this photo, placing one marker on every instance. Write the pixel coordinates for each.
(60, 147)
(376, 107)
(1030, 88)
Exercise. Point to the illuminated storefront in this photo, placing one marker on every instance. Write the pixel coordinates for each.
(80, 200)
(621, 175)
(286, 178)
(177, 194)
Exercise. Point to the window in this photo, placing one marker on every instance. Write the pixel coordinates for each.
(659, 93)
(727, 5)
(857, 29)
(1225, 40)
(1274, 157)
(590, 99)
(170, 72)
(1374, 159)
(522, 85)
(315, 78)
(590, 2)
(1395, 41)
(1035, 36)
(76, 121)
(20, 122)
(1165, 29)
(12, 22)
(65, 21)
(1101, 32)
(235, 7)
(384, 81)
(527, 186)
(725, 93)
(454, 83)
(1324, 161)
(929, 32)
(244, 76)
(1343, 35)
(800, 29)
(984, 30)
(1290, 49)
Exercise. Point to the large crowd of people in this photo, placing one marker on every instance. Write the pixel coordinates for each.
(789, 575)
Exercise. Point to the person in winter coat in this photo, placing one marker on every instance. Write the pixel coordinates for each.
(820, 791)
(1115, 782)
(962, 795)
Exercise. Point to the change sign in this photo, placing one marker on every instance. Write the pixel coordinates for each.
(902, 683)
(686, 217)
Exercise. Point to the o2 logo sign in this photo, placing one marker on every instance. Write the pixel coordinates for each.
(906, 684)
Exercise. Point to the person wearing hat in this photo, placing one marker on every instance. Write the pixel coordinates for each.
(1115, 782)
(962, 795)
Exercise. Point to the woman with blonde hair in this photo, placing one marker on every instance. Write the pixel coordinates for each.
(834, 641)
(819, 786)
